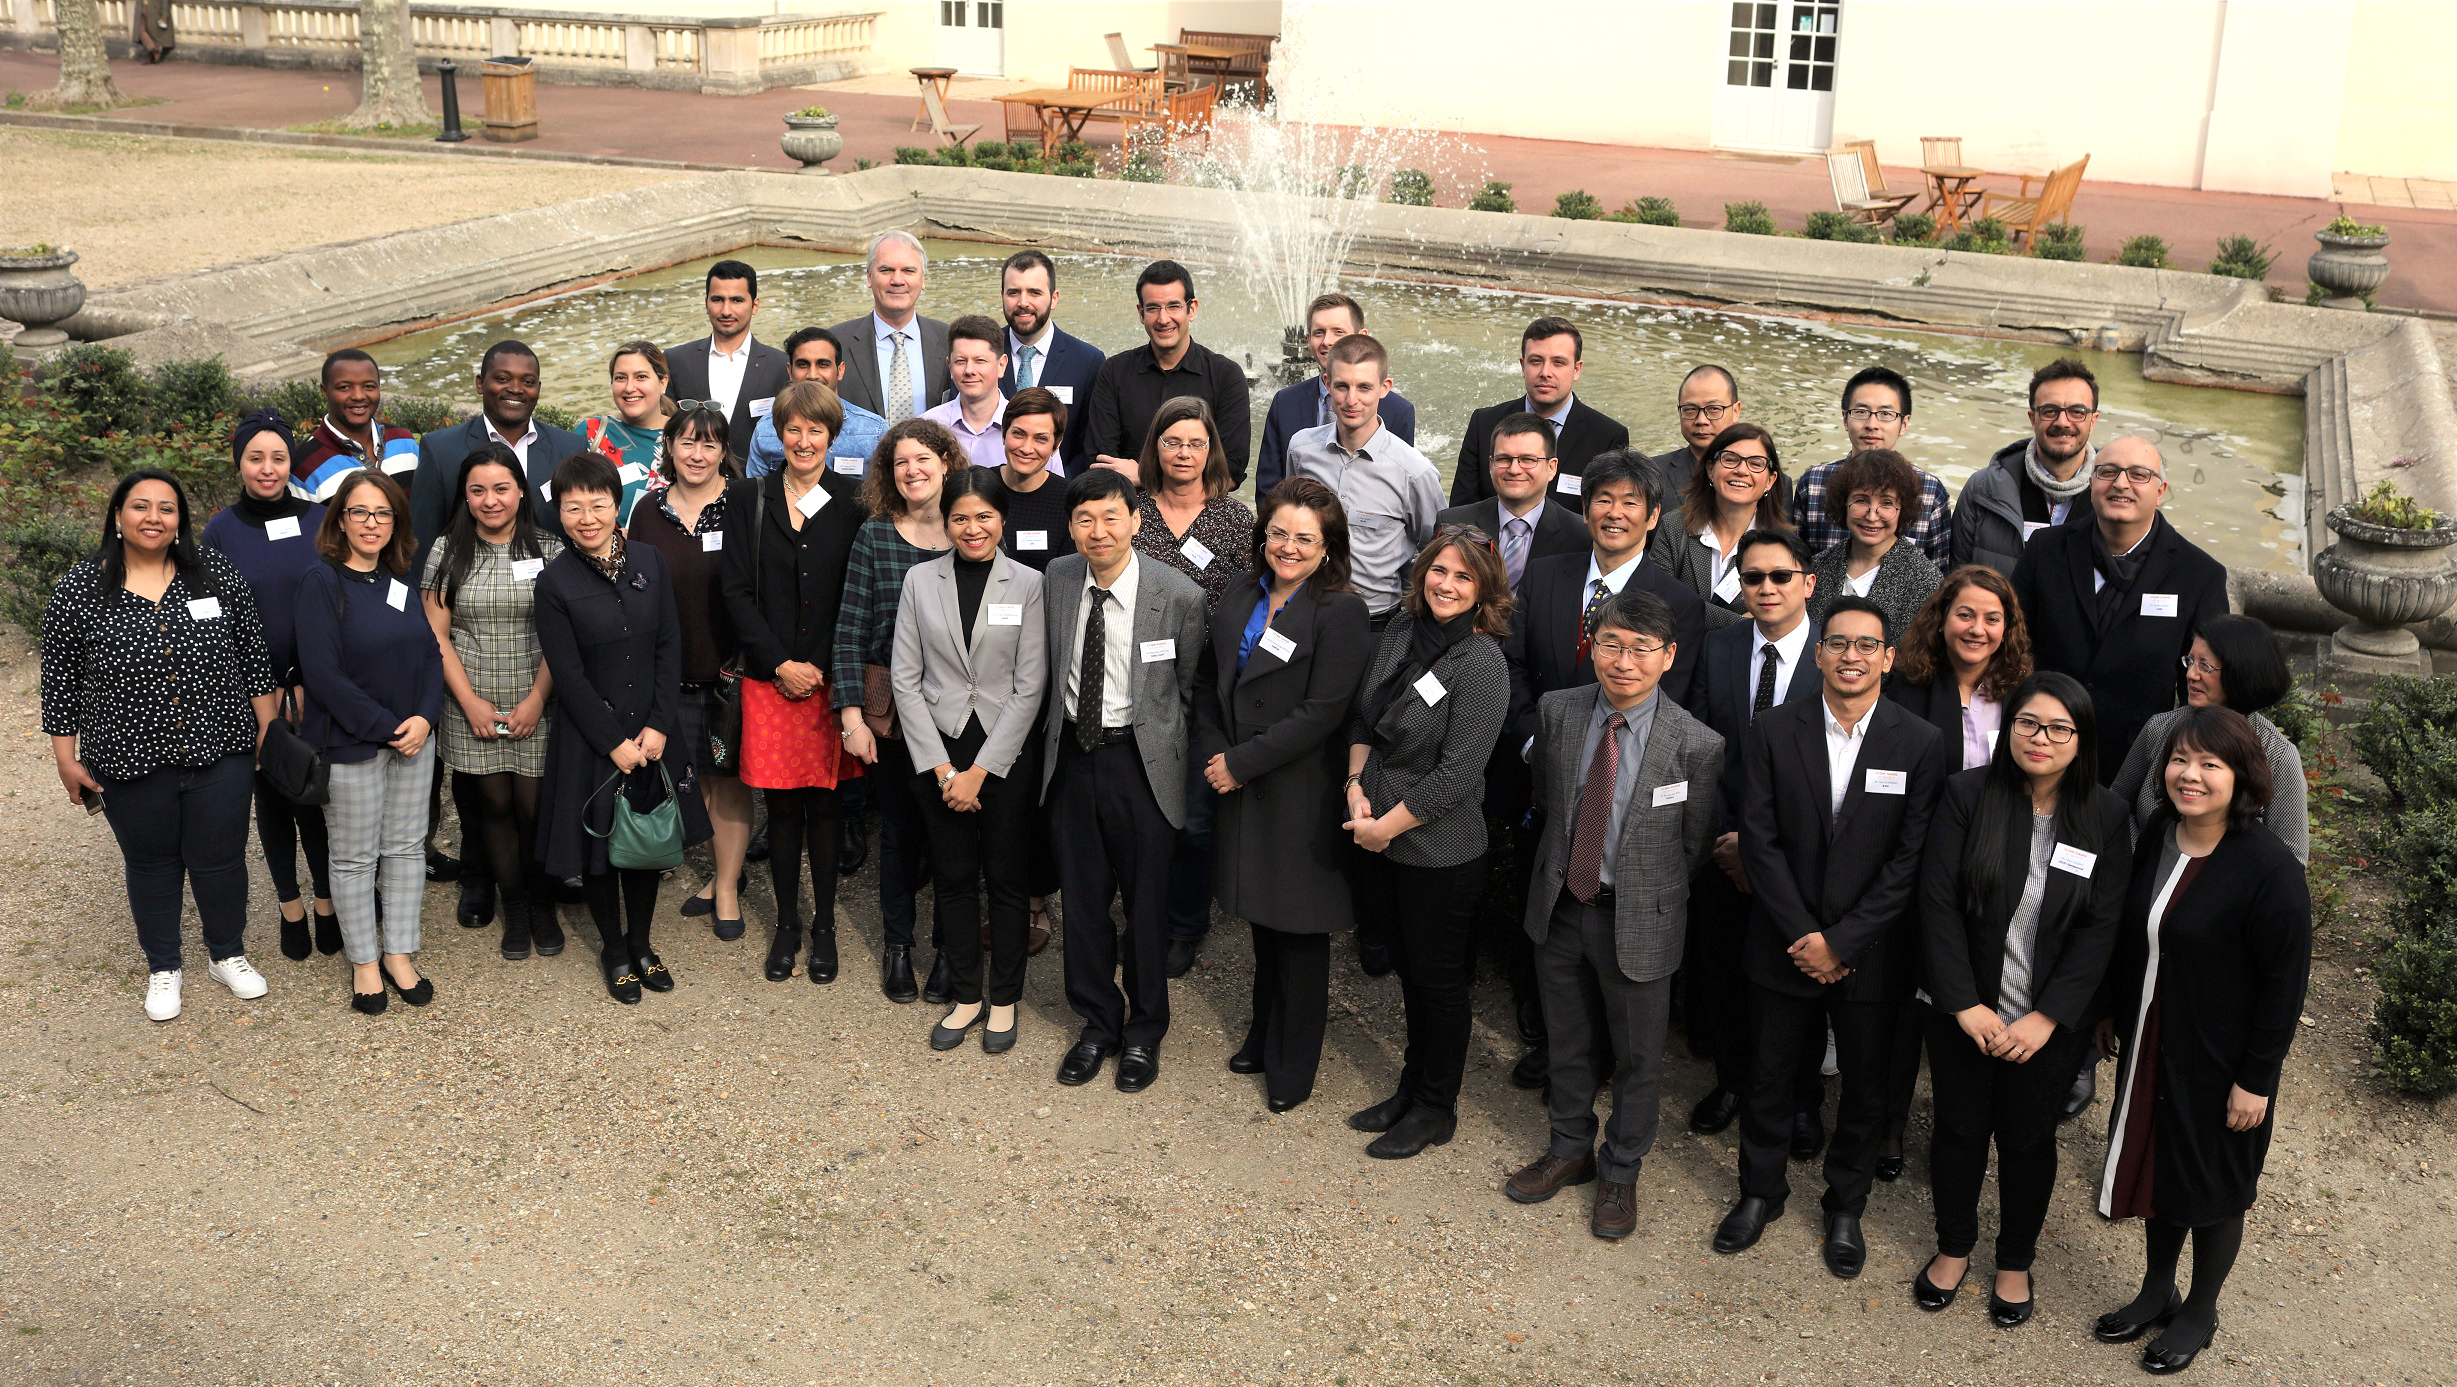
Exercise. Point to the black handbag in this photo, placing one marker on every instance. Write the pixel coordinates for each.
(725, 700)
(297, 771)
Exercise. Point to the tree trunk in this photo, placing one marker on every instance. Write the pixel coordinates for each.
(389, 93)
(85, 66)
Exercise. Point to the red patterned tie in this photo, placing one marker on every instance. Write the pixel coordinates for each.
(1595, 813)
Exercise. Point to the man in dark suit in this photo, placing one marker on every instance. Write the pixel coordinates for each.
(727, 366)
(1708, 403)
(508, 379)
(1838, 798)
(1521, 522)
(1307, 404)
(893, 342)
(1629, 784)
(1133, 384)
(1551, 356)
(2116, 604)
(1038, 353)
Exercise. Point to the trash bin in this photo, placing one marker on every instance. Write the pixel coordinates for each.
(511, 99)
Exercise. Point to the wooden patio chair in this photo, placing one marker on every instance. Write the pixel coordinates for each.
(1847, 171)
(1175, 75)
(1940, 151)
(1183, 117)
(1120, 57)
(2024, 212)
(1024, 121)
(1145, 87)
(1876, 175)
(948, 132)
(1249, 75)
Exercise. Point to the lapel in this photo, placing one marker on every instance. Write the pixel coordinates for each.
(1568, 742)
(1001, 569)
(1295, 621)
(1149, 614)
(2157, 566)
(1876, 744)
(950, 613)
(862, 360)
(1061, 598)
(1810, 737)
(2079, 567)
(1573, 430)
(2060, 884)
(1655, 767)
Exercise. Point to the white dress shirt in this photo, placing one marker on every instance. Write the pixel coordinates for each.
(725, 371)
(1842, 752)
(1118, 665)
(1792, 650)
(519, 450)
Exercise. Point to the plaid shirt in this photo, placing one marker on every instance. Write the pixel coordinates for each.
(1933, 535)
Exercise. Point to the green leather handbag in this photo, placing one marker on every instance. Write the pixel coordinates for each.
(641, 840)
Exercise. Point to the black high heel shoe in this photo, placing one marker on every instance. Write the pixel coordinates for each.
(2115, 1328)
(2011, 1314)
(782, 951)
(2158, 1360)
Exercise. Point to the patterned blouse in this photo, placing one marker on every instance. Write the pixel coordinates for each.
(866, 622)
(1222, 535)
(494, 633)
(144, 685)
(635, 452)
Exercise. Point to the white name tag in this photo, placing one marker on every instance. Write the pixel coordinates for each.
(1156, 651)
(1031, 541)
(1675, 793)
(2032, 527)
(630, 472)
(526, 570)
(1065, 393)
(1569, 484)
(1275, 645)
(1888, 782)
(398, 597)
(712, 541)
(846, 467)
(1006, 613)
(811, 501)
(2158, 604)
(2067, 858)
(204, 608)
(760, 408)
(1729, 588)
(545, 491)
(1430, 689)
(285, 528)
(1196, 552)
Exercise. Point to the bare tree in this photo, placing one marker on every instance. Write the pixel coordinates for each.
(389, 93)
(85, 66)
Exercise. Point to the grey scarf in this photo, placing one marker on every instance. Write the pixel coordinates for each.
(2046, 481)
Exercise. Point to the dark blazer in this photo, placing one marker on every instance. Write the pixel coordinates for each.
(1292, 412)
(862, 385)
(439, 469)
(1585, 433)
(1939, 701)
(1279, 858)
(762, 378)
(1675, 548)
(1676, 468)
(2133, 666)
(801, 573)
(1964, 953)
(1543, 648)
(1721, 696)
(1559, 529)
(1853, 875)
(1067, 373)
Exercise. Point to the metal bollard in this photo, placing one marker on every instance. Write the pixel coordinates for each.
(453, 133)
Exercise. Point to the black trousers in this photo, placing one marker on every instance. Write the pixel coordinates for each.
(1113, 843)
(283, 831)
(987, 846)
(1788, 1024)
(1517, 950)
(184, 826)
(1979, 1097)
(901, 840)
(612, 895)
(1292, 1004)
(1428, 916)
(1718, 1000)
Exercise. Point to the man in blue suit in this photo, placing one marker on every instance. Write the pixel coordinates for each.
(508, 380)
(1307, 404)
(1039, 354)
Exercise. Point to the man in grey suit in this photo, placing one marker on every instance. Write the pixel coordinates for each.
(895, 359)
(727, 366)
(1629, 781)
(1124, 639)
(1516, 516)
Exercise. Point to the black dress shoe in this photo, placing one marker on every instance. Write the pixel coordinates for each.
(940, 986)
(1410, 1135)
(417, 996)
(946, 1037)
(1930, 1296)
(296, 945)
(369, 1003)
(546, 928)
(728, 930)
(1714, 1112)
(1382, 1116)
(758, 848)
(896, 976)
(1745, 1224)
(1808, 1136)
(822, 954)
(1248, 1059)
(1181, 956)
(476, 909)
(441, 867)
(2078, 1099)
(1844, 1250)
(852, 845)
(1889, 1168)
(653, 974)
(1534, 1069)
(1531, 1020)
(1138, 1065)
(622, 979)
(699, 905)
(782, 950)
(1083, 1063)
(328, 934)
(2118, 1327)
(1281, 1104)
(2159, 1357)
(999, 1042)
(1374, 956)
(2011, 1314)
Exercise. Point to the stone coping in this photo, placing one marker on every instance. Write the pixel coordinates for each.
(2375, 385)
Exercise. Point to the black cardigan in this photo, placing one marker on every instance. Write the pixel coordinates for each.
(801, 572)
(1965, 953)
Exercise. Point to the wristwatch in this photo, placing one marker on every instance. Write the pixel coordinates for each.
(942, 780)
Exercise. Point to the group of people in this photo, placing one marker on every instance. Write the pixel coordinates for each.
(1871, 772)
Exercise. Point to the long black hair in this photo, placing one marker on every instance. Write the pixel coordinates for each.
(461, 538)
(2005, 802)
(111, 555)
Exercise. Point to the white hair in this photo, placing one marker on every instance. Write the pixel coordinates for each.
(870, 257)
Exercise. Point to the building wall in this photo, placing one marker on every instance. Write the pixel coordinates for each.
(2399, 117)
(1046, 37)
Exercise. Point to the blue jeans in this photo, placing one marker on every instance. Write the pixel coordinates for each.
(186, 824)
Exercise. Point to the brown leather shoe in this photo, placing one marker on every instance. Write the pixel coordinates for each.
(1616, 1209)
(1543, 1178)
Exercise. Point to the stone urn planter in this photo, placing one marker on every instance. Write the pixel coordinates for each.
(40, 291)
(2348, 267)
(2386, 579)
(811, 140)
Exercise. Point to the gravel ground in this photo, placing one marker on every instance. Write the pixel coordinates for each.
(135, 208)
(747, 1182)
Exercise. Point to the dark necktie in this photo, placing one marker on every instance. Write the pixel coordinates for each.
(1595, 813)
(1586, 615)
(1765, 681)
(1095, 665)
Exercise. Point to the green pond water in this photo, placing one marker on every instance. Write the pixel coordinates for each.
(2236, 458)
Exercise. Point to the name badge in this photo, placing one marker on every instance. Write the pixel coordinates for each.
(1430, 689)
(846, 467)
(2158, 604)
(1889, 782)
(1569, 484)
(1156, 651)
(1275, 645)
(204, 608)
(545, 491)
(1675, 793)
(526, 570)
(811, 501)
(2032, 527)
(1196, 552)
(1065, 393)
(1031, 541)
(1729, 588)
(1006, 613)
(630, 472)
(712, 541)
(398, 597)
(285, 528)
(760, 408)
(2068, 858)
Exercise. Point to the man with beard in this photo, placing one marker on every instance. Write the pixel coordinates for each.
(2040, 481)
(1039, 354)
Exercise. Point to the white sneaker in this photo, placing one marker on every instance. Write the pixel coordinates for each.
(162, 995)
(239, 975)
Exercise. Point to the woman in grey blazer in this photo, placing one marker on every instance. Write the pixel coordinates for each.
(1875, 496)
(970, 653)
(1741, 488)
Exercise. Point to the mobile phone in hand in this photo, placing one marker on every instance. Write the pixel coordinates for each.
(91, 799)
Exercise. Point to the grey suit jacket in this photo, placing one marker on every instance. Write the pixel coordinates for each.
(1168, 606)
(862, 385)
(944, 681)
(1662, 845)
(1673, 546)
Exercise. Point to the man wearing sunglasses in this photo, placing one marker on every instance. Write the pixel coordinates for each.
(727, 368)
(2035, 482)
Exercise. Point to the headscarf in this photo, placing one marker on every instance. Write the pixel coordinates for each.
(262, 421)
(256, 510)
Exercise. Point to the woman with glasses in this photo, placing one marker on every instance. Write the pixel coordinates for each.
(1741, 488)
(2235, 663)
(2023, 880)
(633, 436)
(1288, 647)
(1428, 713)
(2212, 961)
(1875, 497)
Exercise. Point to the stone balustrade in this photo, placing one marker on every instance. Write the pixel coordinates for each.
(722, 54)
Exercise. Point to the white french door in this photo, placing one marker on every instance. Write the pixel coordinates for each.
(972, 36)
(1778, 77)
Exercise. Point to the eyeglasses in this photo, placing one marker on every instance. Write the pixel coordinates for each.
(1743, 462)
(2059, 733)
(367, 515)
(2046, 414)
(2196, 664)
(1861, 414)
(1185, 445)
(1709, 413)
(1152, 310)
(1518, 461)
(1614, 650)
(587, 505)
(1852, 645)
(1760, 577)
(1467, 533)
(2138, 476)
(1276, 535)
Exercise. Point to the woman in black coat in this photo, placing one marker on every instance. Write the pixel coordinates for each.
(2024, 876)
(613, 640)
(1288, 644)
(2205, 991)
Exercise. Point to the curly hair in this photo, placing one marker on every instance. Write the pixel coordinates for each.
(1921, 655)
(879, 490)
(1881, 470)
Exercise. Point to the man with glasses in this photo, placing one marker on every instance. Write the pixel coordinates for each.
(2036, 482)
(1551, 357)
(1516, 515)
(740, 376)
(1391, 491)
(1132, 385)
(1307, 404)
(1039, 353)
(1831, 825)
(1709, 399)
(813, 353)
(895, 359)
(1876, 409)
